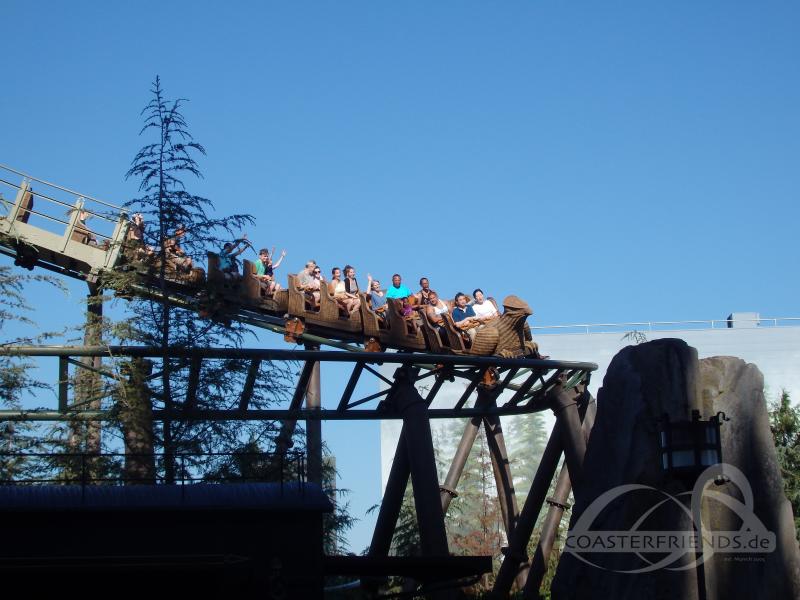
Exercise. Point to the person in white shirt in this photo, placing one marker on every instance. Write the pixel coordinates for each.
(484, 310)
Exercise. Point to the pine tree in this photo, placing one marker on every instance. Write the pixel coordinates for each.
(161, 167)
(16, 380)
(476, 523)
(527, 439)
(785, 426)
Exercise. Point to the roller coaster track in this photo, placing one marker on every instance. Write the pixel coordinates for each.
(26, 234)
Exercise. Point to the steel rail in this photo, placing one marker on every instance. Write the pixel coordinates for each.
(269, 414)
(414, 358)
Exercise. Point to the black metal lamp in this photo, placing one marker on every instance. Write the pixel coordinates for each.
(689, 447)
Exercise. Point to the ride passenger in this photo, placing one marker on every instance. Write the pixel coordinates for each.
(423, 295)
(350, 283)
(484, 310)
(175, 254)
(305, 276)
(265, 270)
(464, 316)
(398, 290)
(377, 299)
(306, 283)
(336, 287)
(136, 229)
(227, 257)
(135, 238)
(436, 309)
(81, 232)
(314, 286)
(410, 316)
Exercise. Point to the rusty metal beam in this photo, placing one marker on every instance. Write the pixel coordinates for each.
(558, 504)
(351, 386)
(284, 440)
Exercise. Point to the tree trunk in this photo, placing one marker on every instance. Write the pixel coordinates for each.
(136, 420)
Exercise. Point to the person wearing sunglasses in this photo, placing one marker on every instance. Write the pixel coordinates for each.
(308, 281)
(315, 285)
(306, 274)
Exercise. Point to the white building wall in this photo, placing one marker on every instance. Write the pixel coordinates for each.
(775, 350)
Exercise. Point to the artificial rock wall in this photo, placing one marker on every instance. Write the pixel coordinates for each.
(642, 383)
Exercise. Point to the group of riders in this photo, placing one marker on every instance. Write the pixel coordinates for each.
(467, 314)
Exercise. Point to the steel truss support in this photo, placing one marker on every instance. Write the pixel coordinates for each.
(284, 440)
(558, 503)
(308, 386)
(314, 426)
(566, 433)
(414, 457)
(392, 501)
(530, 395)
(502, 469)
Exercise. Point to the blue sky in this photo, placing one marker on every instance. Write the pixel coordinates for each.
(615, 161)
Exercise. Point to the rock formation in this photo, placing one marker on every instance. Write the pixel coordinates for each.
(642, 384)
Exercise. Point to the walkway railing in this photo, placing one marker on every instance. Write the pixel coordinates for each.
(645, 326)
(54, 206)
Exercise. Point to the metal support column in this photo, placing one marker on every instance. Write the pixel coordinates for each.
(447, 491)
(422, 463)
(504, 481)
(314, 426)
(565, 407)
(284, 439)
(392, 500)
(515, 553)
(502, 471)
(558, 504)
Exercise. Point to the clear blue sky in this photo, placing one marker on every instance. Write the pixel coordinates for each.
(614, 161)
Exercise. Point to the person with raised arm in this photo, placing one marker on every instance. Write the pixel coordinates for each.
(377, 299)
(227, 257)
(265, 270)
